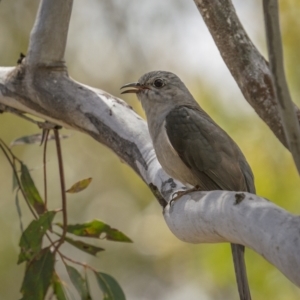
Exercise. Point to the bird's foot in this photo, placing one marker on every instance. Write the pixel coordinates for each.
(179, 194)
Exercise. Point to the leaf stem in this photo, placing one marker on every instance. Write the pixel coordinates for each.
(45, 166)
(63, 258)
(9, 151)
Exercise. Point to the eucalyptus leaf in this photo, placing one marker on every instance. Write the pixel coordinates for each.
(58, 288)
(19, 211)
(34, 139)
(15, 183)
(79, 283)
(79, 186)
(96, 228)
(32, 237)
(31, 192)
(109, 286)
(38, 276)
(91, 249)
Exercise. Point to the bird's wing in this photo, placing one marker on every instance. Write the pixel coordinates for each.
(248, 175)
(207, 150)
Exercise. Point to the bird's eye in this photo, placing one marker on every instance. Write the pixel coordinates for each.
(158, 83)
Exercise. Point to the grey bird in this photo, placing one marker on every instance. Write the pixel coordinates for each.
(191, 147)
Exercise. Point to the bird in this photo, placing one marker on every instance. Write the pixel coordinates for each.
(192, 148)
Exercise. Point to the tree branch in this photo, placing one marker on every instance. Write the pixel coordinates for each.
(53, 96)
(49, 34)
(248, 67)
(283, 97)
(215, 216)
(46, 91)
(241, 218)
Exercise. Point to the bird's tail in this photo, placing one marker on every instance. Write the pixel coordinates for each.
(240, 271)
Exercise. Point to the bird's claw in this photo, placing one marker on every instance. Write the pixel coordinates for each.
(179, 194)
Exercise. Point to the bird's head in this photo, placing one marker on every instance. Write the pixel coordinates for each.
(159, 89)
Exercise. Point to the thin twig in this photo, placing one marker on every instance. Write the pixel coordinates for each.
(63, 188)
(63, 258)
(46, 125)
(45, 166)
(20, 114)
(284, 100)
(10, 152)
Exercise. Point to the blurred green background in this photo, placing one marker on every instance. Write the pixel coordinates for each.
(114, 42)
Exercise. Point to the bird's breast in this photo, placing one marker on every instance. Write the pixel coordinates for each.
(169, 158)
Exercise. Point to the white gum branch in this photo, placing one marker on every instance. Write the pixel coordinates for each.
(40, 85)
(48, 37)
(201, 217)
(242, 218)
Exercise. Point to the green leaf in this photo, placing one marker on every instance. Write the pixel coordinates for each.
(79, 283)
(31, 191)
(109, 286)
(38, 276)
(58, 289)
(94, 229)
(79, 186)
(19, 211)
(87, 284)
(15, 183)
(32, 237)
(34, 139)
(93, 250)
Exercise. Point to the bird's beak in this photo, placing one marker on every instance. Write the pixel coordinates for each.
(136, 88)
